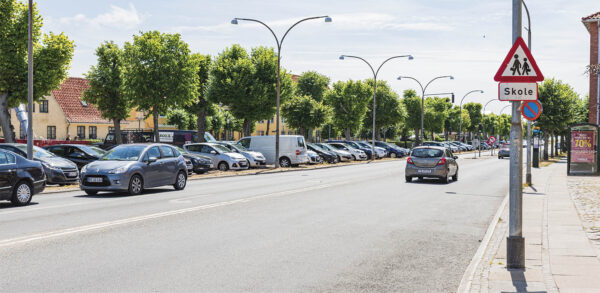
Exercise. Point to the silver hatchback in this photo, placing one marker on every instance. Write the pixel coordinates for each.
(431, 161)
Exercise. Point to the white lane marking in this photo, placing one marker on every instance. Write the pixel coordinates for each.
(189, 198)
(87, 228)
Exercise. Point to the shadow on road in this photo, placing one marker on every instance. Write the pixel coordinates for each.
(8, 205)
(125, 194)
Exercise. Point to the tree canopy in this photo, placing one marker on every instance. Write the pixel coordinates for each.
(305, 113)
(312, 84)
(389, 110)
(349, 103)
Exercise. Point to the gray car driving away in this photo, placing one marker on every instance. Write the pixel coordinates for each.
(431, 161)
(135, 167)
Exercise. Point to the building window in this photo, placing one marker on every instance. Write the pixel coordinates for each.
(289, 132)
(93, 132)
(262, 133)
(80, 132)
(51, 132)
(43, 106)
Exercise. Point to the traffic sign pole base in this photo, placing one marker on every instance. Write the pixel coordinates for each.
(515, 252)
(528, 179)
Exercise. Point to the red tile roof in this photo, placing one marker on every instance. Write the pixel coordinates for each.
(295, 77)
(595, 16)
(68, 96)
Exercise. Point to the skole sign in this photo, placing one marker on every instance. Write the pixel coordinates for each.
(518, 91)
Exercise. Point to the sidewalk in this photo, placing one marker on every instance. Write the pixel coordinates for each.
(559, 255)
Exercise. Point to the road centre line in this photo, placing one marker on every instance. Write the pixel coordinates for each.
(92, 227)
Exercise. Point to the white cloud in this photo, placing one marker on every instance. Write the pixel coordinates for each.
(117, 17)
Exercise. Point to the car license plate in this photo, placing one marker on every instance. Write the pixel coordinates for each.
(94, 179)
(72, 174)
(424, 171)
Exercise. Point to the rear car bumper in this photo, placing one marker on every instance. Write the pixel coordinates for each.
(504, 154)
(437, 171)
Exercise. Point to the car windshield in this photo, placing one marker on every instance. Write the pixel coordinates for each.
(124, 153)
(181, 150)
(239, 147)
(221, 148)
(325, 146)
(38, 152)
(391, 145)
(364, 144)
(94, 151)
(427, 153)
(316, 147)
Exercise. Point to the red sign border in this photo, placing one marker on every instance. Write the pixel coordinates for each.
(519, 43)
(537, 92)
(537, 116)
(490, 138)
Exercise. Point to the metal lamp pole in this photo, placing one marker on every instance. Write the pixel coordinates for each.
(423, 89)
(30, 84)
(279, 43)
(460, 113)
(528, 170)
(375, 73)
(483, 121)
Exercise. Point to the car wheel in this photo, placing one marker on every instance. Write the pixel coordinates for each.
(180, 181)
(455, 177)
(91, 192)
(339, 159)
(284, 162)
(136, 185)
(354, 158)
(500, 157)
(21, 194)
(223, 166)
(420, 178)
(408, 178)
(444, 179)
(393, 155)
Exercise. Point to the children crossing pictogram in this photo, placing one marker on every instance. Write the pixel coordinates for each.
(519, 65)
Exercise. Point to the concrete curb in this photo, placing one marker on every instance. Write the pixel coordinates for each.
(468, 276)
(275, 171)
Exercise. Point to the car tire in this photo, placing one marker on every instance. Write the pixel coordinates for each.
(500, 157)
(180, 181)
(91, 192)
(285, 162)
(136, 185)
(455, 177)
(420, 178)
(339, 159)
(408, 178)
(444, 179)
(22, 194)
(354, 158)
(223, 166)
(393, 155)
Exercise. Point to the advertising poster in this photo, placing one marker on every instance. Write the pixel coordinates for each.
(583, 146)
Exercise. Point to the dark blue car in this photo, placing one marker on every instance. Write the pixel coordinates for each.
(355, 145)
(393, 150)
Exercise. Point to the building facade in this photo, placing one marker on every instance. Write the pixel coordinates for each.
(592, 24)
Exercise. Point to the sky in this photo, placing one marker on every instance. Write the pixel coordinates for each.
(467, 39)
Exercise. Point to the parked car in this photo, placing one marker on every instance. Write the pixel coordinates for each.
(327, 155)
(255, 159)
(200, 164)
(314, 158)
(392, 150)
(173, 137)
(357, 155)
(20, 178)
(504, 151)
(352, 144)
(58, 170)
(342, 155)
(379, 151)
(292, 148)
(77, 153)
(221, 156)
(450, 146)
(433, 143)
(135, 167)
(431, 161)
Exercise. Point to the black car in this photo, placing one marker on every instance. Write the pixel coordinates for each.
(20, 178)
(200, 164)
(77, 153)
(58, 170)
(327, 156)
(355, 145)
(392, 150)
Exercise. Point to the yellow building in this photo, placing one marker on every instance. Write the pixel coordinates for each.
(63, 114)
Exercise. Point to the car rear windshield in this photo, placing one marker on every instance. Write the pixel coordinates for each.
(124, 153)
(94, 151)
(427, 153)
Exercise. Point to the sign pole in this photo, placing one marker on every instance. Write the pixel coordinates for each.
(528, 172)
(515, 243)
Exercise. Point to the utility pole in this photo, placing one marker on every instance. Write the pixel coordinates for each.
(528, 172)
(515, 243)
(30, 84)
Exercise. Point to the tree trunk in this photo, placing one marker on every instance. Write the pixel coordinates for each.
(553, 137)
(268, 126)
(545, 146)
(117, 125)
(155, 121)
(347, 133)
(247, 127)
(7, 128)
(201, 123)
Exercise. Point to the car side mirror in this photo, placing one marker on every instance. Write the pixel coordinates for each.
(213, 152)
(152, 160)
(455, 157)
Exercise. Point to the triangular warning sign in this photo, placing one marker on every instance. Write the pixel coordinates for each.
(519, 65)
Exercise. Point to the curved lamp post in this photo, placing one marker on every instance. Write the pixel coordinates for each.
(460, 113)
(375, 73)
(423, 89)
(483, 121)
(279, 43)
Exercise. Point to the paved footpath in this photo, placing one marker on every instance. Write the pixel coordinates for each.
(560, 253)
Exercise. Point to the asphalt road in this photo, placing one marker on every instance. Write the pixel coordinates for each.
(353, 228)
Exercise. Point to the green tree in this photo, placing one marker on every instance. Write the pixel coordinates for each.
(412, 104)
(389, 110)
(231, 124)
(160, 73)
(312, 84)
(180, 118)
(453, 121)
(201, 106)
(106, 86)
(304, 113)
(436, 113)
(349, 103)
(52, 54)
(247, 84)
(474, 110)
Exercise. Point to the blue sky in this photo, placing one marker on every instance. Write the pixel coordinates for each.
(464, 38)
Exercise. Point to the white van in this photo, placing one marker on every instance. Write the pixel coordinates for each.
(292, 148)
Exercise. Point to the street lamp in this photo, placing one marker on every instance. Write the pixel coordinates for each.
(483, 122)
(375, 73)
(460, 113)
(423, 89)
(279, 43)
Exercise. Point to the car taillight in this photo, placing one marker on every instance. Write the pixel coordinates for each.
(297, 152)
(410, 161)
(442, 161)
